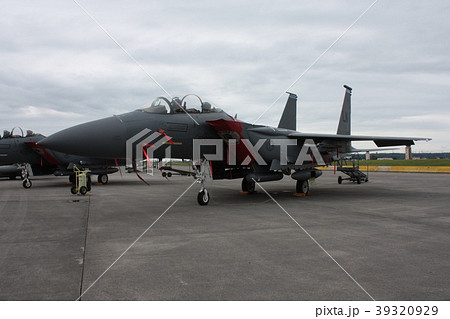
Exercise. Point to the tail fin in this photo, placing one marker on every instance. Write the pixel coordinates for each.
(289, 118)
(344, 126)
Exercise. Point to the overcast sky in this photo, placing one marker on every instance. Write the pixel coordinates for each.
(59, 68)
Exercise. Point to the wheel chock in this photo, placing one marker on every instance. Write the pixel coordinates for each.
(302, 194)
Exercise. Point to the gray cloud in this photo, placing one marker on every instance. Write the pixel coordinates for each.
(239, 55)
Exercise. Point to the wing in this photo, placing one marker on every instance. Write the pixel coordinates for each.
(380, 141)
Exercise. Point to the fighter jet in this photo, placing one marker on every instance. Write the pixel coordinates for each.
(227, 147)
(14, 154)
(21, 156)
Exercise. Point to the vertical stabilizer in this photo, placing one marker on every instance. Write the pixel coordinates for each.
(344, 126)
(289, 118)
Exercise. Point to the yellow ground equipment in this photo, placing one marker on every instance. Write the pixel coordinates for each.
(82, 181)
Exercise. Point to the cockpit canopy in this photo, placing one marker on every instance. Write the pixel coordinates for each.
(190, 103)
(15, 134)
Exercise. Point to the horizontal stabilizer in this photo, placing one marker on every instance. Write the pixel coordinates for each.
(393, 142)
(359, 150)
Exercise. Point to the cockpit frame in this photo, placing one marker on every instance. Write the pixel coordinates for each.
(178, 106)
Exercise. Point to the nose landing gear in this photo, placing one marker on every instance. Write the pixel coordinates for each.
(201, 176)
(203, 197)
(26, 173)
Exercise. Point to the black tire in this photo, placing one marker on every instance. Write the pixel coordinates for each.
(358, 180)
(27, 183)
(302, 187)
(73, 190)
(83, 190)
(163, 174)
(103, 179)
(340, 180)
(244, 185)
(203, 197)
(169, 174)
(72, 179)
(251, 187)
(248, 186)
(366, 180)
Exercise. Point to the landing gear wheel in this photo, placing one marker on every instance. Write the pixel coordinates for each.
(72, 179)
(163, 174)
(203, 197)
(73, 190)
(340, 180)
(83, 190)
(89, 183)
(302, 187)
(26, 183)
(103, 179)
(358, 180)
(366, 180)
(200, 177)
(248, 186)
(169, 174)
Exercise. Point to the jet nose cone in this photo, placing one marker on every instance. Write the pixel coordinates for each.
(103, 138)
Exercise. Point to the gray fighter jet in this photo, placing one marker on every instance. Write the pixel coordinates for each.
(229, 148)
(21, 156)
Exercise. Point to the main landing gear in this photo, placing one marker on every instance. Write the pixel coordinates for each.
(302, 187)
(103, 179)
(248, 187)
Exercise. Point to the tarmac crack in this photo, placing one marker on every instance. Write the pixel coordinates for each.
(83, 259)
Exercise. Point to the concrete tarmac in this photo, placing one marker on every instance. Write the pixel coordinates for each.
(391, 235)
